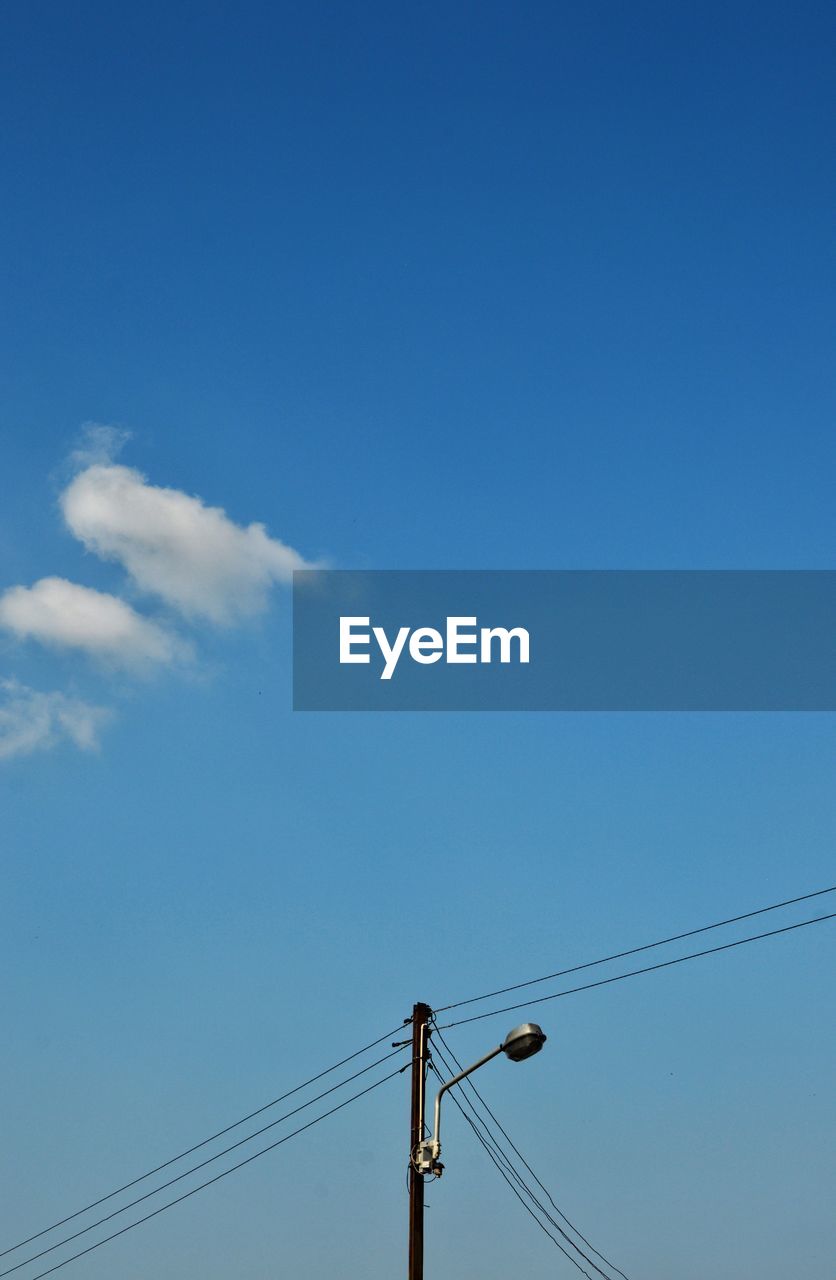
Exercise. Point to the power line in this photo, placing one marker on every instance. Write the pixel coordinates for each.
(632, 973)
(499, 1161)
(233, 1168)
(648, 946)
(469, 1082)
(198, 1145)
(502, 1160)
(506, 1159)
(498, 1165)
(180, 1176)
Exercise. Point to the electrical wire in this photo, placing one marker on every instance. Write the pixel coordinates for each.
(224, 1173)
(506, 1160)
(501, 1159)
(648, 946)
(469, 1082)
(632, 973)
(499, 1167)
(198, 1145)
(202, 1165)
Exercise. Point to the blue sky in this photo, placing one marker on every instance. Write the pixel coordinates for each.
(471, 287)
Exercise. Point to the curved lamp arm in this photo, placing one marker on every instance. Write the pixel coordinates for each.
(448, 1085)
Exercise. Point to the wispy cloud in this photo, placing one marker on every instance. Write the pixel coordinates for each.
(98, 443)
(34, 721)
(68, 616)
(174, 546)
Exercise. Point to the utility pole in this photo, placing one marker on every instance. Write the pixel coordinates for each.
(421, 1014)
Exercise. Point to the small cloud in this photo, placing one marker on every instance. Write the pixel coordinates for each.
(173, 546)
(98, 445)
(68, 616)
(33, 721)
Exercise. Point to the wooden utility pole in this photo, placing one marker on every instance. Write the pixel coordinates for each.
(421, 1014)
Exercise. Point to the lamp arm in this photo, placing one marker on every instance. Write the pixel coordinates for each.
(448, 1084)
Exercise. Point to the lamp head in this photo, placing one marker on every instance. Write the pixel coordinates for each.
(523, 1042)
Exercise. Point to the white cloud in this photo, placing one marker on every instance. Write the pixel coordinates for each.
(32, 721)
(173, 546)
(66, 615)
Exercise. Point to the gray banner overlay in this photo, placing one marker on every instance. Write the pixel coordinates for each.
(601, 640)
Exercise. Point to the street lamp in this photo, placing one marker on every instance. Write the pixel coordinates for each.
(521, 1043)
